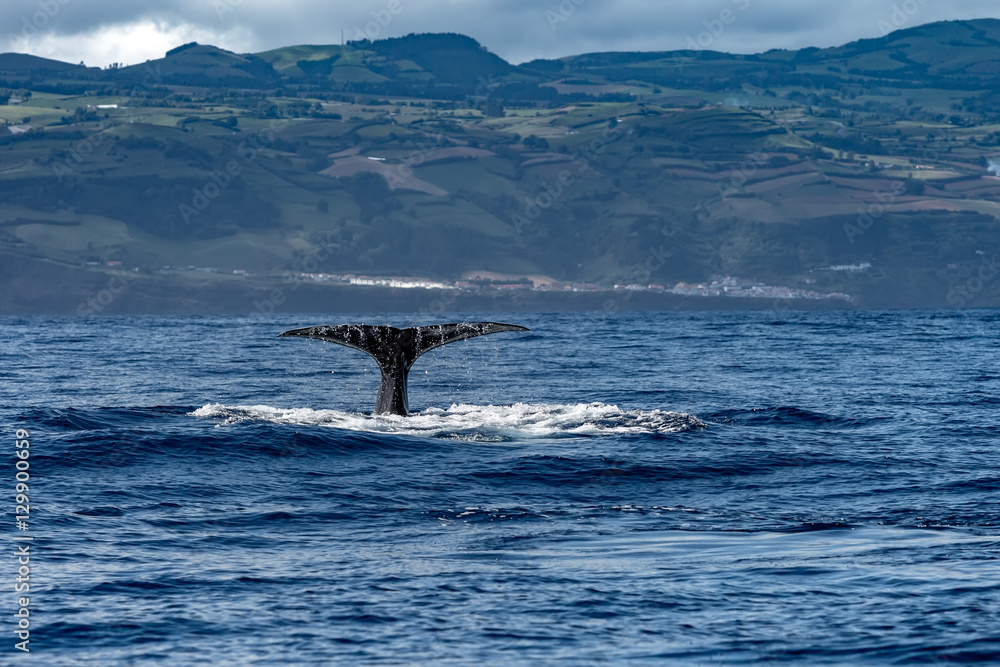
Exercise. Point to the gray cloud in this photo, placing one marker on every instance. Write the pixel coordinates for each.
(99, 31)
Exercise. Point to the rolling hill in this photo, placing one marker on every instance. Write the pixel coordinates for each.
(869, 169)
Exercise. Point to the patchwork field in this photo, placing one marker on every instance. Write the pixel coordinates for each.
(430, 156)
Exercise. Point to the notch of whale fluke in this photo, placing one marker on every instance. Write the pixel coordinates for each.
(395, 350)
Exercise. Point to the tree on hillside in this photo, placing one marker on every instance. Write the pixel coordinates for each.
(371, 192)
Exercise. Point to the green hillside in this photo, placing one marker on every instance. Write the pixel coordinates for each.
(429, 156)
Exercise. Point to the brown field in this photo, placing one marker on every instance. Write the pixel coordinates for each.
(928, 205)
(973, 184)
(695, 175)
(342, 154)
(765, 173)
(791, 181)
(867, 184)
(455, 152)
(985, 187)
(681, 163)
(545, 158)
(398, 175)
(592, 89)
(747, 207)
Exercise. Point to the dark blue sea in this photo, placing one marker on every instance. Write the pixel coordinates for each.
(816, 488)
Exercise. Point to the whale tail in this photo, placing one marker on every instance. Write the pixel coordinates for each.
(395, 350)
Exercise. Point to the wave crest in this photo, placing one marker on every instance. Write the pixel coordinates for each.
(485, 423)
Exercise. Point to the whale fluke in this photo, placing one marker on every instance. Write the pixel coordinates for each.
(395, 350)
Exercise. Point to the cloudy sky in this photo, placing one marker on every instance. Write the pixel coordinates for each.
(99, 32)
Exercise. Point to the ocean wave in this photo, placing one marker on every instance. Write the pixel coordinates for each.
(483, 423)
(785, 416)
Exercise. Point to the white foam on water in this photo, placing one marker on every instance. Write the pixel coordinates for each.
(487, 423)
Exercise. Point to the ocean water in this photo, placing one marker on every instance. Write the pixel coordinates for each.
(636, 488)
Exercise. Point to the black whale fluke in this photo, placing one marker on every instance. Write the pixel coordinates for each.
(395, 350)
